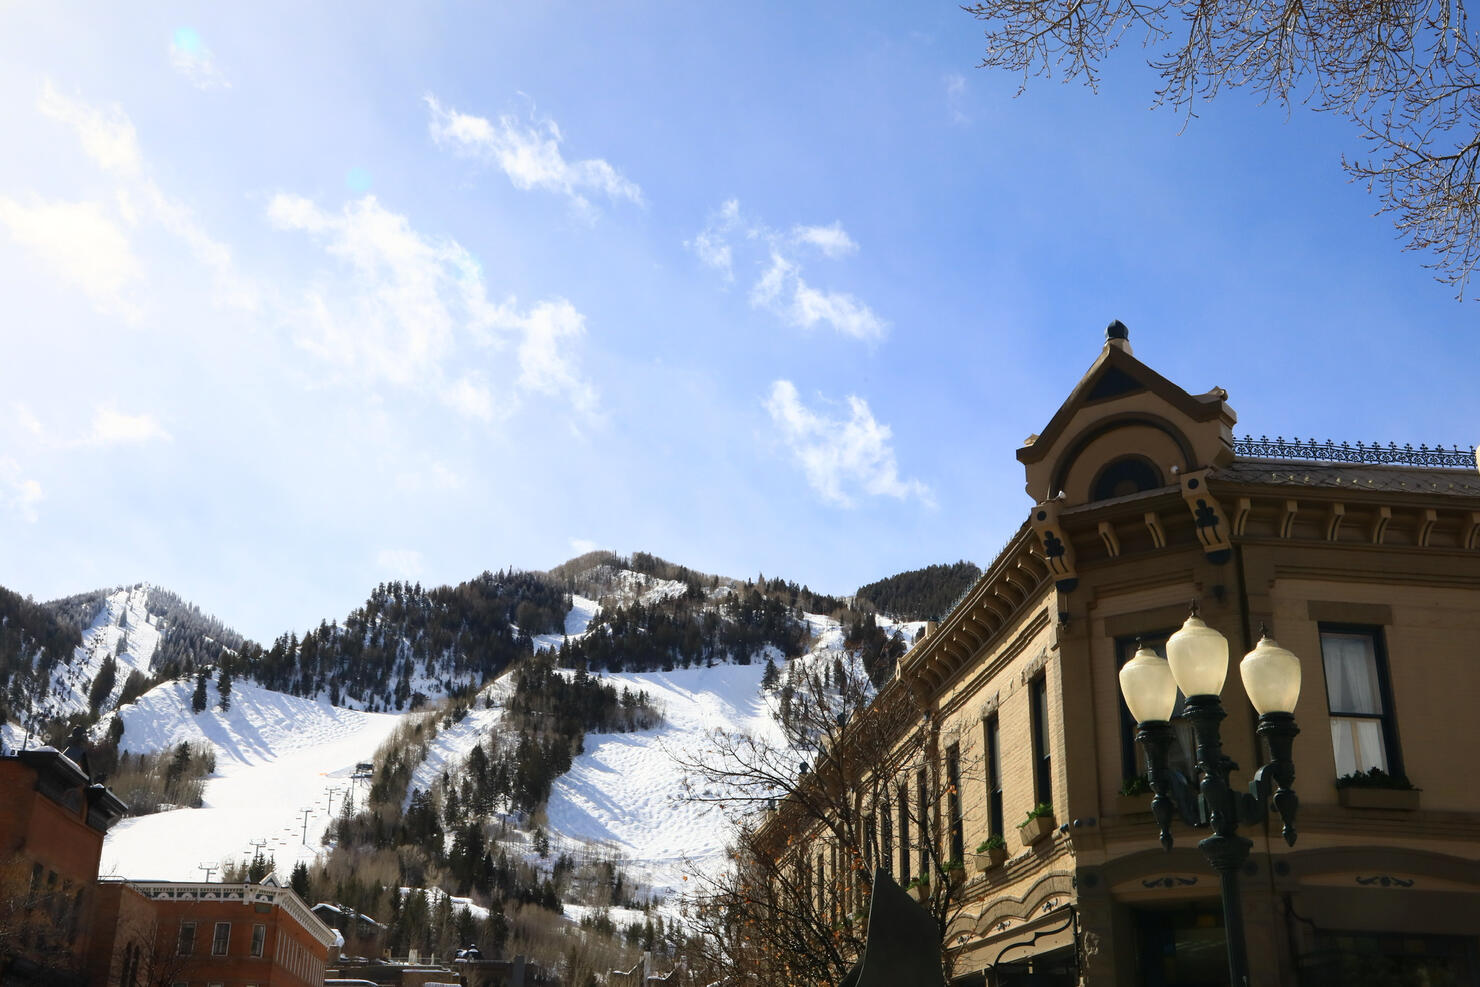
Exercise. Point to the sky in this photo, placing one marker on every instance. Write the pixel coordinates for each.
(302, 298)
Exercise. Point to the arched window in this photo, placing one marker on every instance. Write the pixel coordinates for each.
(1126, 475)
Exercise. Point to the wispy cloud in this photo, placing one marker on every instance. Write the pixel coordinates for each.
(780, 286)
(399, 563)
(83, 246)
(19, 494)
(583, 545)
(92, 243)
(529, 153)
(841, 457)
(401, 305)
(193, 60)
(955, 84)
(110, 427)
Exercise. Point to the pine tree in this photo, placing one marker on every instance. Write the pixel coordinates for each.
(299, 881)
(198, 701)
(223, 685)
(770, 676)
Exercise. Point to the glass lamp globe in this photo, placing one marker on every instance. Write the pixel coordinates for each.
(1148, 687)
(1271, 677)
(1198, 656)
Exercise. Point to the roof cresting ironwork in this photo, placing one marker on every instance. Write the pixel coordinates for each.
(1374, 454)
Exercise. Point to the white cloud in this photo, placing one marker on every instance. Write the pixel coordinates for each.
(780, 287)
(711, 244)
(833, 240)
(407, 304)
(19, 495)
(399, 563)
(191, 58)
(583, 545)
(109, 427)
(955, 96)
(107, 136)
(550, 331)
(83, 246)
(529, 153)
(841, 457)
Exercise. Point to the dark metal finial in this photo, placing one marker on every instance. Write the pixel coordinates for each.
(1138, 644)
(1263, 629)
(1117, 330)
(1192, 608)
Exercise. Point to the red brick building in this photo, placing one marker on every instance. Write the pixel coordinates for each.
(207, 935)
(52, 821)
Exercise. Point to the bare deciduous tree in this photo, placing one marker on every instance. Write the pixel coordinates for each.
(792, 907)
(1407, 74)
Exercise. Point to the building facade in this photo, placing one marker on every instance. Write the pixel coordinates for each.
(52, 822)
(208, 935)
(1365, 562)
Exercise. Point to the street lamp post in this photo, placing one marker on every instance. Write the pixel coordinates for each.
(1197, 664)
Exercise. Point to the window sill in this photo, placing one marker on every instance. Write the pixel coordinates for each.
(1405, 799)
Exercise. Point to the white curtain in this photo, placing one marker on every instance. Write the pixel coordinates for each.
(1351, 687)
(1351, 673)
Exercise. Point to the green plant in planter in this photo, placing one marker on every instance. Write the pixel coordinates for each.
(1139, 785)
(1039, 811)
(951, 865)
(994, 842)
(923, 881)
(1376, 778)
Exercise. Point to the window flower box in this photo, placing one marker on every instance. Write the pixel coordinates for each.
(991, 857)
(1036, 827)
(1354, 797)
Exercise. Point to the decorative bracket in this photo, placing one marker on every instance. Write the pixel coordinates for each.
(1213, 529)
(1058, 554)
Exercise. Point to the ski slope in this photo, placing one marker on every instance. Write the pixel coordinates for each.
(279, 759)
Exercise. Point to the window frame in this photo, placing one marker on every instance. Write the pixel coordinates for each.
(221, 945)
(903, 803)
(1042, 740)
(992, 729)
(1388, 718)
(185, 945)
(259, 939)
(1132, 763)
(953, 803)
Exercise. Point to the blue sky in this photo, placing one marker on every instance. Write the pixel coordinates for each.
(299, 299)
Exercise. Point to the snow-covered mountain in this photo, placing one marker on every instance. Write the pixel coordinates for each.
(572, 697)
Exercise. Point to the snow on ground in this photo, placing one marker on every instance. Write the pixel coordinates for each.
(620, 917)
(276, 756)
(582, 611)
(625, 790)
(453, 744)
(124, 628)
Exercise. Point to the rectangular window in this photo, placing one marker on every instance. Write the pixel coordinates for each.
(922, 805)
(953, 802)
(821, 885)
(886, 837)
(1181, 757)
(222, 939)
(186, 945)
(904, 834)
(1363, 734)
(994, 778)
(259, 938)
(1042, 751)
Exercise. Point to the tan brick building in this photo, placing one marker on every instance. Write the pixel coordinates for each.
(1363, 562)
